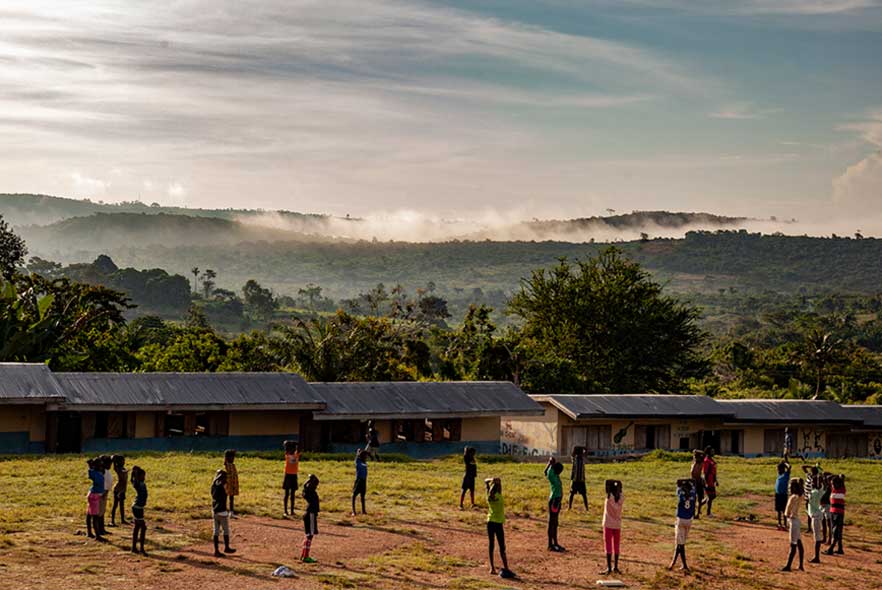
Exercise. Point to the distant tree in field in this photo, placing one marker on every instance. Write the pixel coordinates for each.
(312, 293)
(195, 272)
(603, 326)
(433, 310)
(208, 282)
(375, 298)
(12, 250)
(45, 268)
(259, 301)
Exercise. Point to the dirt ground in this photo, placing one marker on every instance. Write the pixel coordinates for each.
(445, 554)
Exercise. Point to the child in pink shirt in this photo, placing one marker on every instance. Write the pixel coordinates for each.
(612, 524)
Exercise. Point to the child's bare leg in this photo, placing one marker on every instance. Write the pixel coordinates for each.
(363, 510)
(585, 500)
(676, 555)
(491, 540)
(683, 557)
(462, 499)
(472, 496)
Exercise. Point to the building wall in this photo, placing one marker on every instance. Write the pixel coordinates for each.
(754, 440)
(533, 436)
(145, 425)
(22, 429)
(264, 423)
(481, 429)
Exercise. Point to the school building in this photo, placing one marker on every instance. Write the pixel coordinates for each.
(612, 425)
(42, 411)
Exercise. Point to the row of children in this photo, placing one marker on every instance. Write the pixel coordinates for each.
(102, 485)
(823, 495)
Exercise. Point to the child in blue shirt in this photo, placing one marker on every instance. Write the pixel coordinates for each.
(359, 488)
(782, 484)
(685, 514)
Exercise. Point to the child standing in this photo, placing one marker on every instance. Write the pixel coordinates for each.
(219, 495)
(612, 524)
(373, 441)
(359, 488)
(837, 513)
(106, 464)
(810, 473)
(93, 499)
(816, 515)
(119, 489)
(782, 484)
(292, 468)
(827, 520)
(577, 476)
(495, 524)
(471, 474)
(685, 513)
(710, 478)
(698, 480)
(552, 472)
(310, 517)
(139, 533)
(232, 485)
(792, 513)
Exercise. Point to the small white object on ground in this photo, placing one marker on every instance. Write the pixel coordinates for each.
(284, 572)
(611, 583)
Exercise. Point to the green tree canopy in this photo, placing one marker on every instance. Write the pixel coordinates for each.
(604, 326)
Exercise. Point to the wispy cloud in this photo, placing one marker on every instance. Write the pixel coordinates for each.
(742, 111)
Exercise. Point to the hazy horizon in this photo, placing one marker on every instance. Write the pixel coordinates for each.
(446, 110)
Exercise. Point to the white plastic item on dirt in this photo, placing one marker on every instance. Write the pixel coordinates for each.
(284, 572)
(610, 583)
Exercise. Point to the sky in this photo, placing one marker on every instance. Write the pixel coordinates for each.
(524, 108)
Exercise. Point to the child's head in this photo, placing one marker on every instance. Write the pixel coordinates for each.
(577, 451)
(614, 488)
(290, 446)
(220, 477)
(838, 481)
(796, 487)
(92, 463)
(557, 468)
(685, 485)
(118, 461)
(495, 487)
(362, 455)
(468, 453)
(312, 481)
(229, 455)
(106, 461)
(709, 451)
(782, 467)
(697, 455)
(138, 474)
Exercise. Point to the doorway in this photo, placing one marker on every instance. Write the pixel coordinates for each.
(70, 433)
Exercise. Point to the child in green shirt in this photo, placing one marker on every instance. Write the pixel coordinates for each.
(552, 471)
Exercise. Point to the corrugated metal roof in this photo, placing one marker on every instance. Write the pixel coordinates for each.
(782, 411)
(187, 389)
(423, 399)
(582, 407)
(27, 382)
(871, 415)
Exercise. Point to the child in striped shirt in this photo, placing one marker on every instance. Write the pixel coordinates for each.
(837, 511)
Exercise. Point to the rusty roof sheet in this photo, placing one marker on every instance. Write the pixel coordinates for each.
(583, 407)
(783, 411)
(187, 389)
(402, 399)
(23, 382)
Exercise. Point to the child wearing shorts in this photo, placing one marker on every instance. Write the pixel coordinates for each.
(310, 517)
(93, 498)
(792, 513)
(495, 525)
(552, 472)
(685, 512)
(292, 468)
(612, 524)
(816, 515)
(782, 484)
(470, 475)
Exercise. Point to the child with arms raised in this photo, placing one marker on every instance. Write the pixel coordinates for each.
(782, 484)
(310, 517)
(139, 532)
(816, 515)
(552, 472)
(612, 524)
(577, 476)
(471, 474)
(792, 514)
(685, 513)
(292, 468)
(495, 522)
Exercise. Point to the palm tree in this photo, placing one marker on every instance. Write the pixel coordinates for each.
(821, 349)
(208, 281)
(195, 272)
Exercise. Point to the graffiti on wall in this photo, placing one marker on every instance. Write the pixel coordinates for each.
(812, 442)
(876, 446)
(518, 444)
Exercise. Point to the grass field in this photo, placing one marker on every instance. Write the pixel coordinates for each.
(415, 536)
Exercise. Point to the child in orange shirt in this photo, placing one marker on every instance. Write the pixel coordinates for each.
(292, 468)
